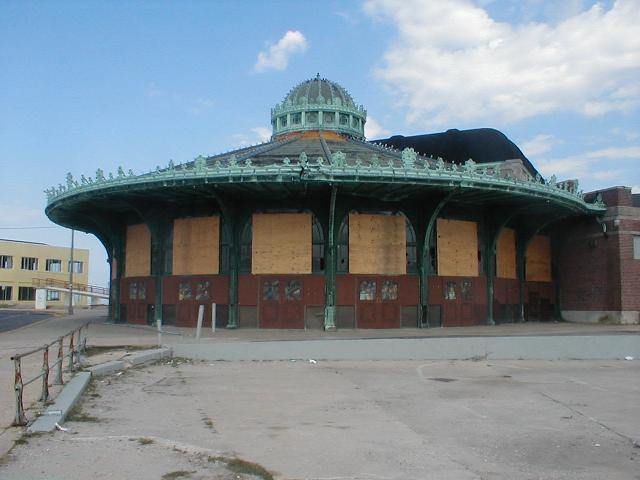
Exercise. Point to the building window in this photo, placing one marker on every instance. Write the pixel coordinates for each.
(344, 119)
(389, 290)
(77, 267)
(184, 291)
(343, 246)
(311, 118)
(26, 293)
(412, 249)
(317, 246)
(270, 290)
(283, 121)
(202, 291)
(53, 295)
(53, 265)
(355, 122)
(296, 118)
(636, 248)
(293, 290)
(29, 263)
(245, 248)
(6, 261)
(328, 118)
(225, 241)
(5, 292)
(367, 290)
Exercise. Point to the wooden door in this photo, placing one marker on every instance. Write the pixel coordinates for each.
(378, 303)
(281, 303)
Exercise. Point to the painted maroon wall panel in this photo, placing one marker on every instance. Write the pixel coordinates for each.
(346, 289)
(248, 286)
(436, 296)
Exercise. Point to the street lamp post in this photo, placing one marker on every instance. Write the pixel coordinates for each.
(71, 275)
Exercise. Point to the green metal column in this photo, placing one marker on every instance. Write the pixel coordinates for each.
(233, 233)
(119, 251)
(157, 227)
(424, 268)
(330, 271)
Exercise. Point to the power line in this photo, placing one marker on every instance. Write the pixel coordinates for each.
(23, 228)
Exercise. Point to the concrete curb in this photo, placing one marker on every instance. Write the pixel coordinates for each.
(73, 390)
(579, 347)
(63, 404)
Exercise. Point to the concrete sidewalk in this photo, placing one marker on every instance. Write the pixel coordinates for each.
(107, 334)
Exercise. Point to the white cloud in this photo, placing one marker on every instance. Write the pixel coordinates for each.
(612, 165)
(538, 144)
(452, 62)
(373, 130)
(635, 189)
(276, 57)
(263, 133)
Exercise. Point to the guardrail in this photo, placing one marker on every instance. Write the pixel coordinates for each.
(54, 282)
(73, 354)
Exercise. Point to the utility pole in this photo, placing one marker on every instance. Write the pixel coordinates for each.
(71, 275)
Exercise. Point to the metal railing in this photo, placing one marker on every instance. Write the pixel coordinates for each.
(54, 282)
(76, 345)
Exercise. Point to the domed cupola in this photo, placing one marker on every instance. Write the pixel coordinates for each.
(319, 104)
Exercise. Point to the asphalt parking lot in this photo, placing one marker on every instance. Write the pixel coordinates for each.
(351, 420)
(12, 319)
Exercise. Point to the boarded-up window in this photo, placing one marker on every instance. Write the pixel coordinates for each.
(138, 251)
(377, 244)
(506, 254)
(196, 245)
(539, 259)
(457, 248)
(281, 243)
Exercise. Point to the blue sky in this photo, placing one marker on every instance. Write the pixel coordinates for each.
(87, 85)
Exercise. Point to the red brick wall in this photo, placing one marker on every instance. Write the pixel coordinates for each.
(597, 269)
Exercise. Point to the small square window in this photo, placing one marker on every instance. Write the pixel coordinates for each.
(293, 290)
(367, 290)
(5, 292)
(450, 291)
(6, 261)
(389, 290)
(53, 265)
(26, 293)
(29, 263)
(53, 295)
(77, 267)
(270, 290)
(184, 291)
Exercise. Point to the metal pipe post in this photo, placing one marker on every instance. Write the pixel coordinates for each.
(44, 396)
(58, 380)
(20, 419)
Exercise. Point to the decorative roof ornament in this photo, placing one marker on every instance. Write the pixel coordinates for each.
(409, 157)
(319, 104)
(338, 159)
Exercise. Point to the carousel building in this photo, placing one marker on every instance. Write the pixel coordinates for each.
(319, 228)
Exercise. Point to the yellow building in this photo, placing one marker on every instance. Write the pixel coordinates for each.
(23, 264)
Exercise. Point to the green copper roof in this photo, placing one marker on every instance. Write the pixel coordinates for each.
(319, 104)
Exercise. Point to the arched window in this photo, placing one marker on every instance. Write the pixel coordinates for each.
(245, 248)
(224, 247)
(342, 245)
(317, 245)
(412, 250)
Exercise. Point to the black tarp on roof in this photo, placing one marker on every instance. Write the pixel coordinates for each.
(483, 145)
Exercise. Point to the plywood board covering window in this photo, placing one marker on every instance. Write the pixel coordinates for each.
(196, 246)
(539, 259)
(138, 251)
(281, 243)
(506, 254)
(377, 244)
(457, 248)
